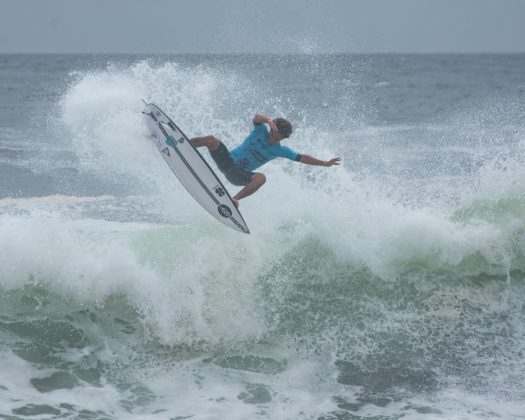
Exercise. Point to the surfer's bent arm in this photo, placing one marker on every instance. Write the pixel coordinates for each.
(310, 160)
(261, 119)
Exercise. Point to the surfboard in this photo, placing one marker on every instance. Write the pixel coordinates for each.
(191, 169)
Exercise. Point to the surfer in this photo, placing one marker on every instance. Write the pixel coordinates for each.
(257, 149)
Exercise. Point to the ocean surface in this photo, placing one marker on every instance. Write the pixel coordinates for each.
(390, 287)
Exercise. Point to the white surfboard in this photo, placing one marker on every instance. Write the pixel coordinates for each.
(191, 169)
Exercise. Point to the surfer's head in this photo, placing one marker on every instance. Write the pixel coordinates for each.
(284, 127)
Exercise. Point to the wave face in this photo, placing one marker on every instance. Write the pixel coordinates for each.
(389, 287)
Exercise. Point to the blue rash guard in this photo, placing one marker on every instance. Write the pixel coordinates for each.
(255, 150)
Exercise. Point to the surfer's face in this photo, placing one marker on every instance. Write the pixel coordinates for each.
(276, 136)
(280, 135)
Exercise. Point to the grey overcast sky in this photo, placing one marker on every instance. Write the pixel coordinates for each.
(240, 26)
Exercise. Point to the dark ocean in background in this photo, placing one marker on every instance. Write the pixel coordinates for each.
(390, 287)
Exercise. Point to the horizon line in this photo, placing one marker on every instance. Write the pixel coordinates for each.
(266, 53)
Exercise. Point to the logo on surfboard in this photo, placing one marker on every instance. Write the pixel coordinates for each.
(219, 191)
(224, 211)
(170, 141)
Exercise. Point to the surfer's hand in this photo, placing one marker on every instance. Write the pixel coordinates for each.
(332, 162)
(272, 125)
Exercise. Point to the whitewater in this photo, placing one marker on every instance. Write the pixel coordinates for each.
(391, 286)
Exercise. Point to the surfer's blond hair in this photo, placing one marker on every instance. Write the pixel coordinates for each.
(284, 127)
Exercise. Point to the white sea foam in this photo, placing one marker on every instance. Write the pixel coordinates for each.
(55, 199)
(354, 214)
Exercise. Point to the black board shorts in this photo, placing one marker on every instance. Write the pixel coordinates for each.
(235, 174)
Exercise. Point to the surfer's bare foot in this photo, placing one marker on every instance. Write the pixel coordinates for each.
(236, 202)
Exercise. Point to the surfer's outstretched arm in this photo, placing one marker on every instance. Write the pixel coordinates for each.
(310, 160)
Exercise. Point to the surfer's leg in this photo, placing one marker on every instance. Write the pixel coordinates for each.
(256, 182)
(211, 142)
